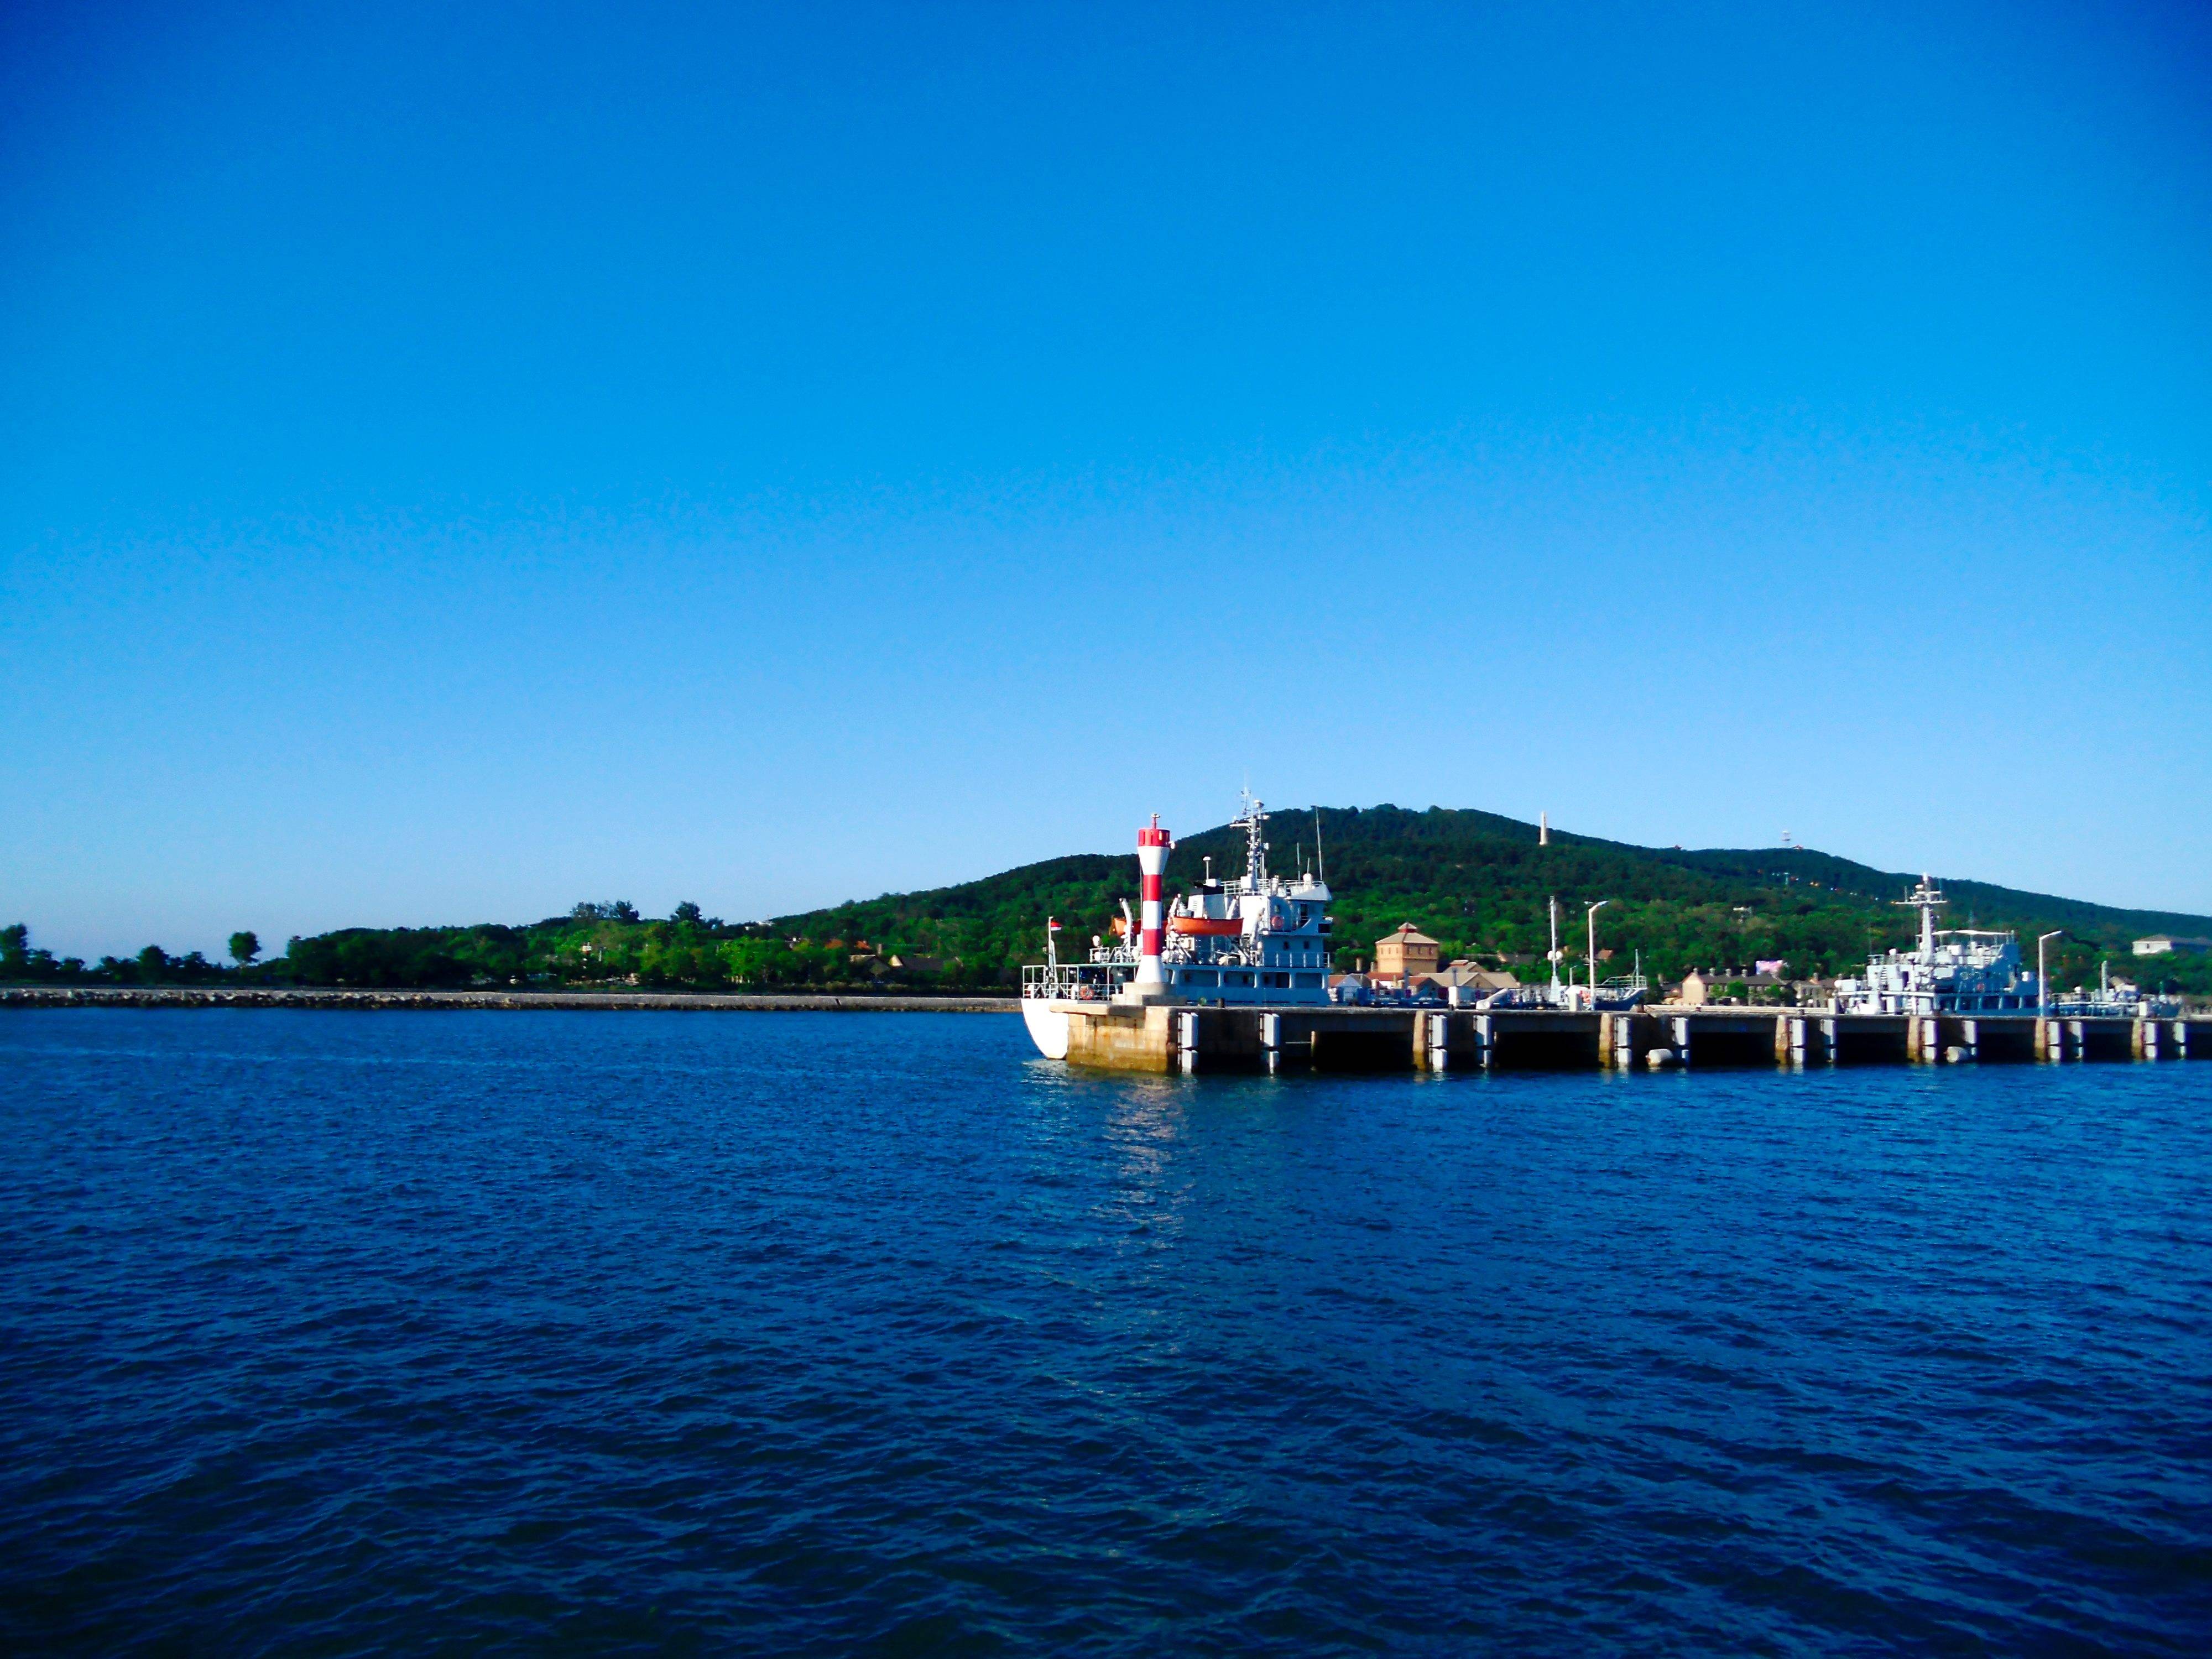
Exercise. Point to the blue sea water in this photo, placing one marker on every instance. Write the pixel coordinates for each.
(461, 1332)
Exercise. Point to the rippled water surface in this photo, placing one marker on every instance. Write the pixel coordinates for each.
(459, 1331)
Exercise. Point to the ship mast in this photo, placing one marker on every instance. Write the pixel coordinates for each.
(1254, 823)
(1926, 899)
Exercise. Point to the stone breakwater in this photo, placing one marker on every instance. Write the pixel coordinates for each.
(188, 996)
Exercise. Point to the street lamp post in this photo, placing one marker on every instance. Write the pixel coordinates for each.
(2042, 975)
(1590, 919)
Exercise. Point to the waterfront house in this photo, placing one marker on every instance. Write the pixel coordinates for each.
(1701, 985)
(1472, 979)
(1405, 955)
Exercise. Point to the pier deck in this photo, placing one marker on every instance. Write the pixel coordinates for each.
(1168, 1037)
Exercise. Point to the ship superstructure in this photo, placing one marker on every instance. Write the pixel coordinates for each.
(1952, 971)
(1971, 970)
(1260, 939)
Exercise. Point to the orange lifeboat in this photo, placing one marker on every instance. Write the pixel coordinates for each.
(1206, 926)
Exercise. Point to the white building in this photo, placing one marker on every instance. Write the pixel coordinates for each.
(2167, 945)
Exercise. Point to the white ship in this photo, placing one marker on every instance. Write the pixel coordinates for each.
(1952, 970)
(1260, 939)
(1968, 970)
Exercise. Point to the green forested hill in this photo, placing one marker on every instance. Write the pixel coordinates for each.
(1478, 883)
(1475, 881)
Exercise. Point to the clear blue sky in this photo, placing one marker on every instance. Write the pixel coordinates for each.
(457, 461)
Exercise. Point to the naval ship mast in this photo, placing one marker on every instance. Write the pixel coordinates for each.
(1927, 899)
(1252, 821)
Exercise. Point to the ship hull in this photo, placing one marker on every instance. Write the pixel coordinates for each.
(1048, 1027)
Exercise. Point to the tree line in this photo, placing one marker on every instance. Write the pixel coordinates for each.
(600, 945)
(1477, 883)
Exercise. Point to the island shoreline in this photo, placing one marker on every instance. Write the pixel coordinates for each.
(187, 996)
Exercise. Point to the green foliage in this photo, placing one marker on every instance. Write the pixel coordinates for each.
(244, 947)
(376, 956)
(1474, 881)
(1478, 883)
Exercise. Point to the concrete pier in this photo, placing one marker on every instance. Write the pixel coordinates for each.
(1159, 1037)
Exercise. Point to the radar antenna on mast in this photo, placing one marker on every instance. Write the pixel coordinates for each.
(1927, 900)
(1254, 823)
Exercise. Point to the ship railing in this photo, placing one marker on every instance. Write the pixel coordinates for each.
(2130, 1007)
(1304, 961)
(1075, 981)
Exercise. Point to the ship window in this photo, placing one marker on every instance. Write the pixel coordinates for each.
(1237, 979)
(1307, 982)
(1276, 981)
(1199, 976)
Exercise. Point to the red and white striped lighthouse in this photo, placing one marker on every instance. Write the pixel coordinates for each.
(1153, 844)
